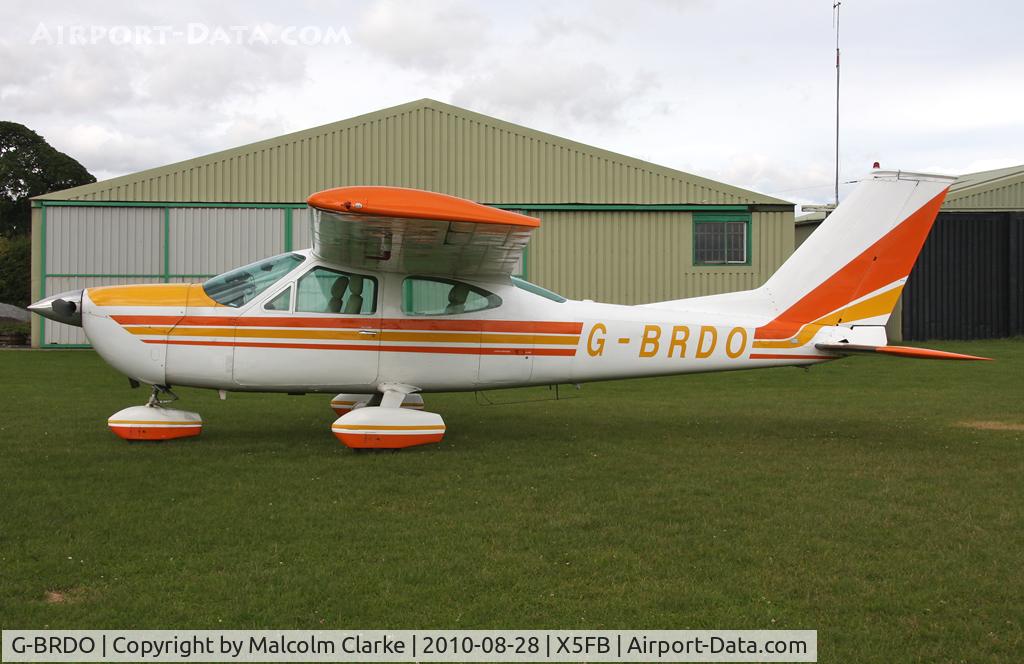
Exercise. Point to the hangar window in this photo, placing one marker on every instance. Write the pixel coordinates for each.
(326, 291)
(721, 239)
(432, 296)
(235, 288)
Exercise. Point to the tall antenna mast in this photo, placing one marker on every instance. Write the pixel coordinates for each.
(835, 16)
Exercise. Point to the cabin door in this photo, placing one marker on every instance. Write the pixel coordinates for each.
(319, 331)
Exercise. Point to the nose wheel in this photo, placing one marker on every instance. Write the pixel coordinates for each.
(155, 421)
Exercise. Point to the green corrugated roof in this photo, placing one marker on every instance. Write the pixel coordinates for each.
(998, 189)
(984, 178)
(425, 144)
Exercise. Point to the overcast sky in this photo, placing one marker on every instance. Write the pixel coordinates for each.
(742, 92)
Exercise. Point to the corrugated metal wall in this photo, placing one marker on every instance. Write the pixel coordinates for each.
(302, 229)
(636, 257)
(614, 256)
(968, 282)
(104, 240)
(427, 145)
(801, 232)
(995, 196)
(624, 257)
(211, 240)
(102, 246)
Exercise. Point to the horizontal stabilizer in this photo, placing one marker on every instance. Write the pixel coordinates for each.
(899, 351)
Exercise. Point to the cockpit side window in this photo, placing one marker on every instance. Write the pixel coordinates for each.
(433, 296)
(237, 287)
(280, 302)
(326, 291)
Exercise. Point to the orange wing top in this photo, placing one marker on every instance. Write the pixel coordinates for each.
(413, 231)
(403, 203)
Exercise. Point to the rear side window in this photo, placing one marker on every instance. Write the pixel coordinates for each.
(432, 296)
(326, 291)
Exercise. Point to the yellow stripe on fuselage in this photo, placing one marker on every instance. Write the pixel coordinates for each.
(151, 295)
(353, 335)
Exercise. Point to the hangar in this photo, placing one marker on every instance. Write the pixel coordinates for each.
(615, 228)
(968, 282)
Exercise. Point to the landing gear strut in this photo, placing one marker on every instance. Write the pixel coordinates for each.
(154, 396)
(155, 421)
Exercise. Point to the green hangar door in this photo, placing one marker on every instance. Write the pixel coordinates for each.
(112, 244)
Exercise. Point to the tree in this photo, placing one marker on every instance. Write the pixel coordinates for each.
(15, 268)
(29, 166)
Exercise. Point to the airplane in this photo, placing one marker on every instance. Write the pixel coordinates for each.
(406, 292)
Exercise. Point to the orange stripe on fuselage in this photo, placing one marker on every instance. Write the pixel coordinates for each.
(884, 262)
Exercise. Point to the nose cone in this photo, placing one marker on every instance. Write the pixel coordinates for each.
(63, 308)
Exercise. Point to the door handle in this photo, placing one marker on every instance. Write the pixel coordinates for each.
(369, 333)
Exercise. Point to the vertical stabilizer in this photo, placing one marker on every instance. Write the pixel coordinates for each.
(852, 269)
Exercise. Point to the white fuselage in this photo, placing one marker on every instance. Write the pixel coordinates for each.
(173, 335)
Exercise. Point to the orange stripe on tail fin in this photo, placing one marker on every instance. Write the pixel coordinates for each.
(865, 248)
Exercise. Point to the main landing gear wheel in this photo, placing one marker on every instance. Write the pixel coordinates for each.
(390, 426)
(155, 421)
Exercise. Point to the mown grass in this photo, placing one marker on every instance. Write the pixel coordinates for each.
(850, 499)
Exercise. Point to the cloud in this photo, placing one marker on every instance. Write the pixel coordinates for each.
(789, 180)
(570, 91)
(48, 80)
(212, 73)
(737, 92)
(426, 36)
(119, 108)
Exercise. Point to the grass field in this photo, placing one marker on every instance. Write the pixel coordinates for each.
(878, 501)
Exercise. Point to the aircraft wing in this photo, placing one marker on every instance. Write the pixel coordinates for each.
(408, 230)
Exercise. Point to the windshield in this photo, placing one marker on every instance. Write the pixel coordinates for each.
(240, 285)
(537, 290)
